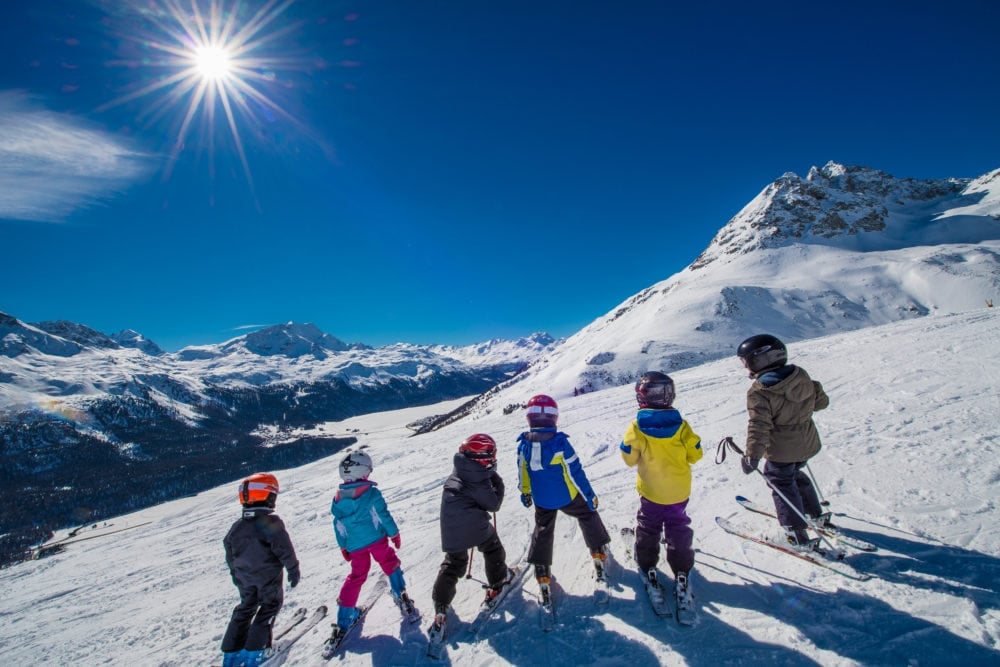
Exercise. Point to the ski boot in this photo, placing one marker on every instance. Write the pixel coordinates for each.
(682, 590)
(600, 562)
(543, 574)
(799, 540)
(493, 591)
(254, 658)
(233, 658)
(654, 587)
(440, 617)
(346, 617)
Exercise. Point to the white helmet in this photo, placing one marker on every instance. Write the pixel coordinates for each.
(355, 466)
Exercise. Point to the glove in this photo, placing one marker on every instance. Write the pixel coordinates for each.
(293, 577)
(346, 554)
(526, 499)
(749, 465)
(396, 540)
(592, 503)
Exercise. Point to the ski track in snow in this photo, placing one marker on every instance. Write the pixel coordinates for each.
(910, 462)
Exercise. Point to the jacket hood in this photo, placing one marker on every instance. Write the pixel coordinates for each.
(470, 471)
(345, 501)
(787, 381)
(540, 434)
(659, 423)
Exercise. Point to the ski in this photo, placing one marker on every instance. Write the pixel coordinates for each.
(486, 610)
(297, 617)
(300, 625)
(657, 595)
(435, 639)
(815, 558)
(546, 610)
(833, 534)
(684, 609)
(339, 636)
(602, 587)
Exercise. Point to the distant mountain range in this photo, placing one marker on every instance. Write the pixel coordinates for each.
(94, 424)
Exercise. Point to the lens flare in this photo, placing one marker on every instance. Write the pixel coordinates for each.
(216, 64)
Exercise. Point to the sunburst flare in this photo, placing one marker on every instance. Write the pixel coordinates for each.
(216, 65)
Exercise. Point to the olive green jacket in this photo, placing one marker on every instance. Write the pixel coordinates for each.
(780, 406)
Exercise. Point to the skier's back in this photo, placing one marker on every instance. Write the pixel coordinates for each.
(258, 548)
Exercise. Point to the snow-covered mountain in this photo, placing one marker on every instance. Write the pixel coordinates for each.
(842, 249)
(79, 408)
(911, 462)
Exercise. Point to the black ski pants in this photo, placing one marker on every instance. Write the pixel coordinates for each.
(795, 485)
(253, 618)
(594, 532)
(455, 563)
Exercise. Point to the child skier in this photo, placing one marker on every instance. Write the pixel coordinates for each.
(470, 494)
(257, 548)
(780, 405)
(663, 446)
(364, 528)
(550, 477)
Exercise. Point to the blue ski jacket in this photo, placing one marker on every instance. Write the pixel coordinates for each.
(549, 469)
(360, 516)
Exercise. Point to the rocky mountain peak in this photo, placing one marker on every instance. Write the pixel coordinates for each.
(834, 205)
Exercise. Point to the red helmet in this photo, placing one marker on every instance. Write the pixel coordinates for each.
(481, 448)
(260, 487)
(542, 411)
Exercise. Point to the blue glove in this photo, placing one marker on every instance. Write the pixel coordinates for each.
(749, 465)
(526, 499)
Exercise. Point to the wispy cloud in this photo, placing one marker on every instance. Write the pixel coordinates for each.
(52, 164)
(244, 327)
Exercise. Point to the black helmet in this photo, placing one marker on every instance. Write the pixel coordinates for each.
(655, 390)
(762, 352)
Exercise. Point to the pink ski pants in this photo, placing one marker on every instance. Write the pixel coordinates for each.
(361, 562)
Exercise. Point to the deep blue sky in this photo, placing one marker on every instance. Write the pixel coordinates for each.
(450, 171)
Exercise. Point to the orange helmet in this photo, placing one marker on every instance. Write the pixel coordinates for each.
(260, 487)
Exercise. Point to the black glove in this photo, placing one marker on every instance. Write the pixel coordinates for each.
(749, 465)
(293, 578)
(526, 499)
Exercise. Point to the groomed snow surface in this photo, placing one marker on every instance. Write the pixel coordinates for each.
(911, 462)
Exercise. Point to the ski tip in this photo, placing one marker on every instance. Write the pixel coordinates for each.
(742, 499)
(321, 609)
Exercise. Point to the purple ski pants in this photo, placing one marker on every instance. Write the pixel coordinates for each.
(674, 525)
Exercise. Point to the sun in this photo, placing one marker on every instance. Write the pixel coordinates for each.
(213, 62)
(219, 59)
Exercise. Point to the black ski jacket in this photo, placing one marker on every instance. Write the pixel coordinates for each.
(470, 494)
(257, 547)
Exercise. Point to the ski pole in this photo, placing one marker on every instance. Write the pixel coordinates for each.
(822, 501)
(809, 522)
